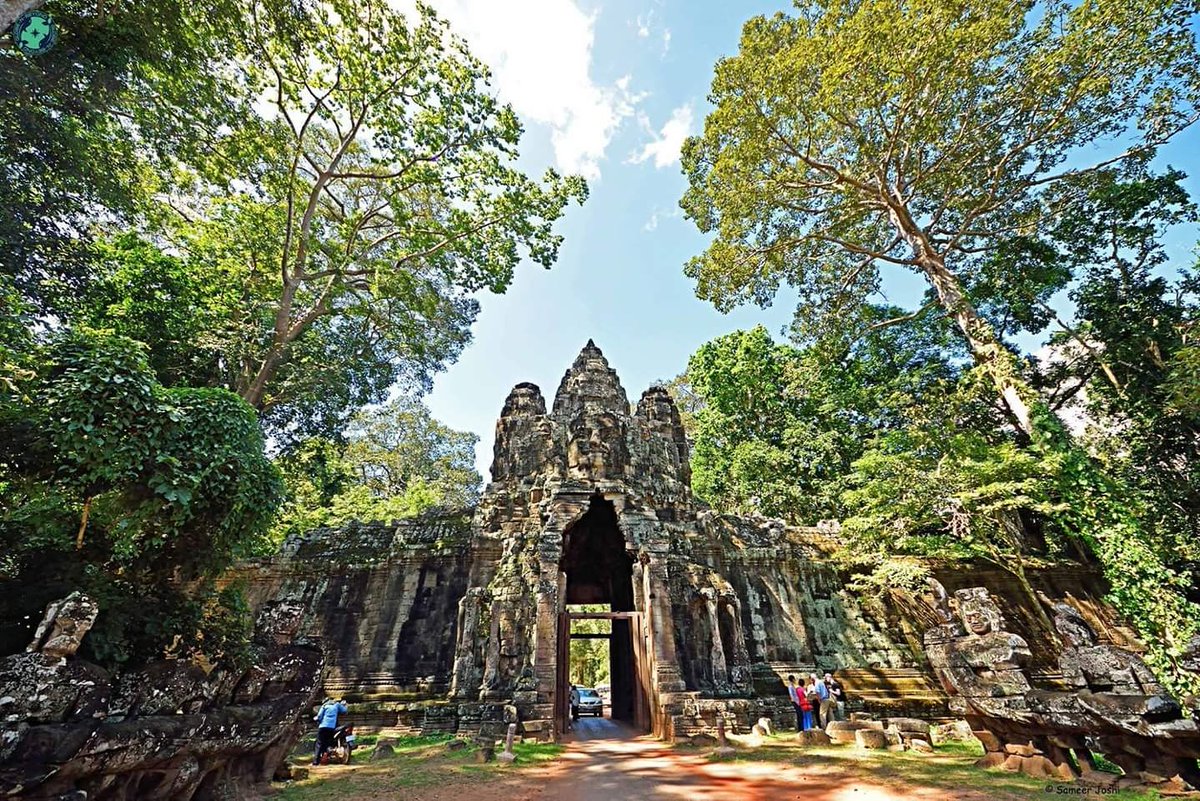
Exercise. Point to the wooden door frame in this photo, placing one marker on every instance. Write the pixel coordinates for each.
(641, 666)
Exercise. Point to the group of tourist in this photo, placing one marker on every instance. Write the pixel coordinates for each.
(817, 702)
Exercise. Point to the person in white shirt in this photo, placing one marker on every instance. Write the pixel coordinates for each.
(826, 701)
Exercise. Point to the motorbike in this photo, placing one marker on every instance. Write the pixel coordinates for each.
(343, 745)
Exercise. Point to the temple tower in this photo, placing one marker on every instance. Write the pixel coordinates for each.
(578, 512)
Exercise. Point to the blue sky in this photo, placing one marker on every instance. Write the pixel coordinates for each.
(609, 90)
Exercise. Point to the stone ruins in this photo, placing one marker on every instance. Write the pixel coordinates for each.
(459, 622)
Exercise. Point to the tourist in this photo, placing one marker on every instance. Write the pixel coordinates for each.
(804, 709)
(574, 702)
(327, 720)
(794, 694)
(825, 702)
(813, 699)
(837, 696)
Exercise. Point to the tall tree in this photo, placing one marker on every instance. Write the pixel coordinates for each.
(779, 427)
(396, 461)
(130, 90)
(920, 135)
(385, 194)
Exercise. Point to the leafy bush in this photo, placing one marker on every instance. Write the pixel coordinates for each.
(133, 492)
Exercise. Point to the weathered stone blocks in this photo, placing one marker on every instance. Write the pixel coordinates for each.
(871, 738)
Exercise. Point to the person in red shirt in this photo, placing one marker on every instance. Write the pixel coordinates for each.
(806, 709)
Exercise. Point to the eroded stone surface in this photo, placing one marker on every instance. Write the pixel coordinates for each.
(1103, 695)
(171, 731)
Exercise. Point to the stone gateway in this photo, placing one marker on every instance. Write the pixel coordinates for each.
(458, 621)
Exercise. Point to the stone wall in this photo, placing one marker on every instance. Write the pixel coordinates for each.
(376, 598)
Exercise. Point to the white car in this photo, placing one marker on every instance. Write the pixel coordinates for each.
(590, 702)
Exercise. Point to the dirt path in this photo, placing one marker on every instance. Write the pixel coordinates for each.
(609, 763)
(605, 761)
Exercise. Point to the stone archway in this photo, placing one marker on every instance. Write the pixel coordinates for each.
(599, 570)
(598, 567)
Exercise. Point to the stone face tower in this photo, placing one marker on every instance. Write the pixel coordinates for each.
(578, 511)
(460, 620)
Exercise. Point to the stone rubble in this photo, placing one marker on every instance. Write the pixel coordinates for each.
(1102, 699)
(170, 732)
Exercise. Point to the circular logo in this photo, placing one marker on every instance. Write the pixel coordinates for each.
(34, 33)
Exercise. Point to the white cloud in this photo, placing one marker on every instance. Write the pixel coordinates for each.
(644, 25)
(658, 215)
(664, 146)
(540, 52)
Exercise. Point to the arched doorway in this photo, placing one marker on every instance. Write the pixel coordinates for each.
(599, 574)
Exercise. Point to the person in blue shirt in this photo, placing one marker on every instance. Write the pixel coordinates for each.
(826, 701)
(327, 718)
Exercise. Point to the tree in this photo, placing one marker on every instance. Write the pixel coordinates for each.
(397, 462)
(949, 483)
(393, 445)
(326, 186)
(134, 492)
(138, 291)
(590, 658)
(779, 427)
(1125, 362)
(384, 194)
(921, 135)
(130, 90)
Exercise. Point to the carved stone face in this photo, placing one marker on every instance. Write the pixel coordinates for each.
(978, 611)
(1074, 629)
(525, 399)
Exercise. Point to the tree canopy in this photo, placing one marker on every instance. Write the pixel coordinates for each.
(926, 136)
(227, 225)
(113, 483)
(396, 461)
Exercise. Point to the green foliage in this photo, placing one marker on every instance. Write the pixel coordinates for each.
(778, 427)
(396, 462)
(181, 308)
(383, 194)
(129, 88)
(950, 485)
(919, 136)
(308, 257)
(833, 124)
(590, 662)
(137, 493)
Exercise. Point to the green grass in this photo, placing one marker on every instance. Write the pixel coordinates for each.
(950, 767)
(417, 762)
(969, 748)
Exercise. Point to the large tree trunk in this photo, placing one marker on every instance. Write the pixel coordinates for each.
(255, 393)
(984, 344)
